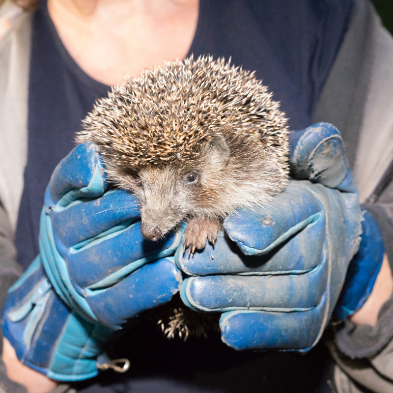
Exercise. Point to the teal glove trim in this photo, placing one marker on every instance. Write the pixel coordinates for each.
(284, 237)
(20, 313)
(256, 292)
(94, 189)
(110, 233)
(37, 311)
(47, 336)
(35, 265)
(57, 271)
(264, 330)
(74, 357)
(132, 267)
(184, 296)
(81, 169)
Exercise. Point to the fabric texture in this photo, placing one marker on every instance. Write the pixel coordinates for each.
(371, 374)
(364, 341)
(373, 66)
(353, 65)
(364, 65)
(60, 96)
(14, 63)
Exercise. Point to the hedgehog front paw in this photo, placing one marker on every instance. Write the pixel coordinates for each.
(197, 231)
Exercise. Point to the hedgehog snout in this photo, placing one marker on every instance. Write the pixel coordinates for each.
(157, 221)
(151, 232)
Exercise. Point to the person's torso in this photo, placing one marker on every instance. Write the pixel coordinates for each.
(291, 46)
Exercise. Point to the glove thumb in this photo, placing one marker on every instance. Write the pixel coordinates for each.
(318, 154)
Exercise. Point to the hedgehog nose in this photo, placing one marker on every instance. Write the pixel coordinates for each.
(150, 232)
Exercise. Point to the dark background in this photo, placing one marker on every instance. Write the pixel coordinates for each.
(385, 10)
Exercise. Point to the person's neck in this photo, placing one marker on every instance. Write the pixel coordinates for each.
(111, 38)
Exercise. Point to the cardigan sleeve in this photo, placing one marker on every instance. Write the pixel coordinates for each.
(357, 99)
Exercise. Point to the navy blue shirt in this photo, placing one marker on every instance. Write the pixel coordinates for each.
(60, 96)
(291, 44)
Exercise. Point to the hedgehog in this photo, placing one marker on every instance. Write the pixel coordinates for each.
(194, 141)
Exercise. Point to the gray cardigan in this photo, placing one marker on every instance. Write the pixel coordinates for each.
(357, 98)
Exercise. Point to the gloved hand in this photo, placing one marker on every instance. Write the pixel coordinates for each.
(93, 273)
(278, 280)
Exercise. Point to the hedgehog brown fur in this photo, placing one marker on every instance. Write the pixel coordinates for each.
(165, 114)
(157, 127)
(194, 140)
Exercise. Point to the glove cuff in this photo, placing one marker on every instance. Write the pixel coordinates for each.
(46, 335)
(363, 269)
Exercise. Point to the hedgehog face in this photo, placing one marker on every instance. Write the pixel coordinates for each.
(171, 194)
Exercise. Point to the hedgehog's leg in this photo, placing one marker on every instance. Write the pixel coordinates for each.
(198, 230)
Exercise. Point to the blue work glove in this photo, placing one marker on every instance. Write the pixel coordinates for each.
(278, 279)
(93, 273)
(363, 269)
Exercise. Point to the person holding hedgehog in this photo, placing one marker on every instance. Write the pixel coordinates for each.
(308, 263)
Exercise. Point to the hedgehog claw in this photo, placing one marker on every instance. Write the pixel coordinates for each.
(212, 239)
(198, 232)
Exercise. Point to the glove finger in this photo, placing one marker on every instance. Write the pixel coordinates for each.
(70, 284)
(299, 254)
(273, 330)
(271, 293)
(148, 287)
(94, 219)
(81, 173)
(116, 256)
(262, 229)
(318, 154)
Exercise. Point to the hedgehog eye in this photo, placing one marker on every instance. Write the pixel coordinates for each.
(137, 179)
(191, 178)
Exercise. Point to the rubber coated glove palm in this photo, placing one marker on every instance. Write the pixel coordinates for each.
(278, 285)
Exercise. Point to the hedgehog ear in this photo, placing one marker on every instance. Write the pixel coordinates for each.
(218, 149)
